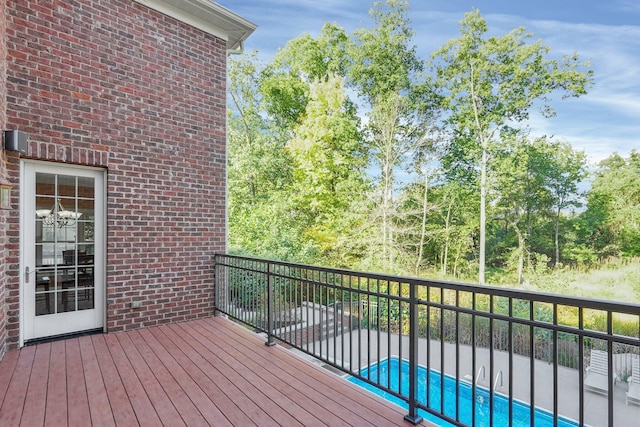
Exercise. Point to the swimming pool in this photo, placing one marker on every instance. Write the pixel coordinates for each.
(389, 368)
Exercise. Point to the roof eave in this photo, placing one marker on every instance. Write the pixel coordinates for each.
(207, 16)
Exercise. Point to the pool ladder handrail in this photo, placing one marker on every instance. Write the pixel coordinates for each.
(498, 378)
(482, 371)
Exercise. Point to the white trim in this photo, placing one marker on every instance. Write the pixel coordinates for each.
(21, 261)
(207, 16)
(96, 318)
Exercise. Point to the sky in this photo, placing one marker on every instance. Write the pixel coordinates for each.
(604, 33)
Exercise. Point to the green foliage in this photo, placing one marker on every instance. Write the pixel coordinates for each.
(382, 60)
(314, 59)
(488, 86)
(285, 98)
(328, 174)
(612, 219)
(384, 69)
(318, 138)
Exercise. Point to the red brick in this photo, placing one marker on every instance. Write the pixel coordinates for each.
(123, 87)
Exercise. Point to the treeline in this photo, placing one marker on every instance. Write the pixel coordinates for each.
(349, 150)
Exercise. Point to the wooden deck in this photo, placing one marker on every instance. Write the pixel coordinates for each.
(205, 372)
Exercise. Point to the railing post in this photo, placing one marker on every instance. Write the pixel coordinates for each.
(270, 342)
(413, 416)
(217, 286)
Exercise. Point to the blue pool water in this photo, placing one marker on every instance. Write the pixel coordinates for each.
(388, 369)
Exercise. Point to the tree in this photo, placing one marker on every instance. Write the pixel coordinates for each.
(385, 70)
(489, 86)
(285, 82)
(520, 177)
(438, 221)
(256, 162)
(329, 167)
(312, 59)
(613, 206)
(562, 179)
(259, 169)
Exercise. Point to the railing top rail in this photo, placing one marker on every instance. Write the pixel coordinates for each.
(541, 297)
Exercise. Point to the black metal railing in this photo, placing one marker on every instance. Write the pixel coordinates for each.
(468, 354)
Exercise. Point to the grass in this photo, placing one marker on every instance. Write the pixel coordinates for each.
(615, 280)
(618, 283)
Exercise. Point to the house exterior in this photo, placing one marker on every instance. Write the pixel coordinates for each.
(113, 169)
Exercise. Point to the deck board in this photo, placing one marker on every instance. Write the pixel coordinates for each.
(261, 400)
(197, 373)
(123, 412)
(17, 389)
(78, 408)
(185, 407)
(56, 408)
(216, 371)
(317, 380)
(207, 409)
(36, 399)
(7, 368)
(261, 377)
(284, 381)
(216, 395)
(140, 402)
(99, 406)
(158, 397)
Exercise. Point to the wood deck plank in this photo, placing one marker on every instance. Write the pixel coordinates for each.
(123, 412)
(7, 368)
(261, 400)
(217, 396)
(78, 402)
(36, 398)
(353, 397)
(205, 406)
(286, 406)
(179, 398)
(335, 401)
(338, 413)
(99, 406)
(56, 411)
(144, 410)
(11, 411)
(197, 373)
(161, 402)
(292, 400)
(221, 375)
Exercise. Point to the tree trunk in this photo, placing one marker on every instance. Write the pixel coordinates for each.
(557, 239)
(387, 203)
(446, 238)
(483, 212)
(520, 259)
(424, 222)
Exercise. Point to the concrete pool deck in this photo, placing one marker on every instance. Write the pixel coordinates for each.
(356, 351)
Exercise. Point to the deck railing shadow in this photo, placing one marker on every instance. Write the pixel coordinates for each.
(523, 351)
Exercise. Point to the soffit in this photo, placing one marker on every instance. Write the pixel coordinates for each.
(207, 16)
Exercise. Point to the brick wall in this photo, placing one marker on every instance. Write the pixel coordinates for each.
(4, 214)
(113, 84)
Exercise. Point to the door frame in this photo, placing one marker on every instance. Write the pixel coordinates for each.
(100, 274)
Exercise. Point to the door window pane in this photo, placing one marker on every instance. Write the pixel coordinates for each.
(64, 221)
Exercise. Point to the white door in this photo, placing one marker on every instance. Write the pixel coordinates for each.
(63, 256)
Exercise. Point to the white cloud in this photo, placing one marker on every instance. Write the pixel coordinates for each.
(601, 122)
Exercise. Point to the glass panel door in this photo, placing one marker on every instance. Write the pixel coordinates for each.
(64, 248)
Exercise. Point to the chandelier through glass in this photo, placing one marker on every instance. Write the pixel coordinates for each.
(58, 216)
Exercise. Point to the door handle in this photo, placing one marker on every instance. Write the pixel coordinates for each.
(26, 274)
